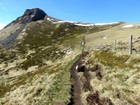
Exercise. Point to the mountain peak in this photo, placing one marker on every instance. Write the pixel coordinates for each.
(31, 15)
(35, 14)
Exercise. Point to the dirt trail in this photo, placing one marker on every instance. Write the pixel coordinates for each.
(76, 87)
(76, 84)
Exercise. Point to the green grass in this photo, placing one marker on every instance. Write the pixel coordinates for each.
(7, 55)
(111, 60)
(49, 34)
(54, 36)
(133, 62)
(47, 42)
(120, 76)
(21, 80)
(60, 90)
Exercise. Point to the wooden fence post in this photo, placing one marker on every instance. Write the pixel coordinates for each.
(130, 44)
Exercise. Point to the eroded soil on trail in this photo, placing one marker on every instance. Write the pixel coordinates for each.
(82, 92)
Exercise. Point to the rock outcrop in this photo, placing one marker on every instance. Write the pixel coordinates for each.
(12, 30)
(31, 15)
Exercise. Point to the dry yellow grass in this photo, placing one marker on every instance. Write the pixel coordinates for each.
(108, 36)
(120, 71)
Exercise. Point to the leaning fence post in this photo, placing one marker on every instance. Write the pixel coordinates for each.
(130, 44)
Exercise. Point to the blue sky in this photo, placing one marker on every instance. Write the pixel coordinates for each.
(94, 11)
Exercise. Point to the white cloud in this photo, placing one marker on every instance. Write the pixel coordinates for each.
(2, 26)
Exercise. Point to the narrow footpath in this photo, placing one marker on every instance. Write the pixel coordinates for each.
(76, 85)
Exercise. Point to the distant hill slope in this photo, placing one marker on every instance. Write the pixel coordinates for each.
(13, 29)
(119, 33)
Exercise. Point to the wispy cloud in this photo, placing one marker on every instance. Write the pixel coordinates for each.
(3, 7)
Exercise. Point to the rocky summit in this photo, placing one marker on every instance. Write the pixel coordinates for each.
(12, 30)
(31, 15)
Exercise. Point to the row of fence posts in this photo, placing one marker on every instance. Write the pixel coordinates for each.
(130, 44)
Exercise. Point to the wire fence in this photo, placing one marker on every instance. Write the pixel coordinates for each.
(129, 45)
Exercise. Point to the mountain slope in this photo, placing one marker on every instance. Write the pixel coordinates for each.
(111, 75)
(40, 57)
(36, 55)
(36, 70)
(12, 30)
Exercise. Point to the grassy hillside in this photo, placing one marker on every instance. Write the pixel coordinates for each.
(112, 79)
(37, 70)
(107, 37)
(111, 76)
